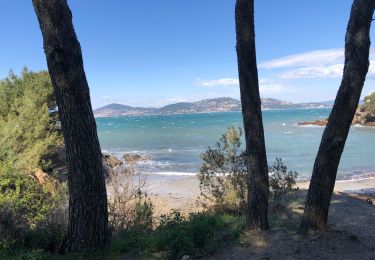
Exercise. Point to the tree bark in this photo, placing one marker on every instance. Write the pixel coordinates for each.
(357, 45)
(88, 220)
(258, 183)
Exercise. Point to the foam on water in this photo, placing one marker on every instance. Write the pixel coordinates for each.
(311, 126)
(177, 147)
(173, 173)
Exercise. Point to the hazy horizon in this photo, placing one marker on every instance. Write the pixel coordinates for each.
(193, 101)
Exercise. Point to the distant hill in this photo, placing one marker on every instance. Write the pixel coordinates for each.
(120, 110)
(222, 104)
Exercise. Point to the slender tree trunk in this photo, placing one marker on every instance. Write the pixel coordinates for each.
(357, 45)
(88, 221)
(258, 184)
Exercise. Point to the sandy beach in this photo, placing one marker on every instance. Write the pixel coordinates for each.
(182, 193)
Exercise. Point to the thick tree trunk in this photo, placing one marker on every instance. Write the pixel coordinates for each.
(357, 44)
(88, 221)
(258, 184)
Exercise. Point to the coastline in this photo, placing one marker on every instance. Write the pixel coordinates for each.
(183, 193)
(204, 112)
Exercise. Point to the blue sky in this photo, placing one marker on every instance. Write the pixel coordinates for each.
(152, 53)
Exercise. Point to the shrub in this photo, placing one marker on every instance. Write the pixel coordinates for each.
(369, 103)
(32, 216)
(223, 175)
(28, 129)
(33, 207)
(281, 180)
(196, 235)
(128, 204)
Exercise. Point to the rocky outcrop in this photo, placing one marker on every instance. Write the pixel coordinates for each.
(133, 158)
(361, 117)
(59, 165)
(111, 164)
(316, 123)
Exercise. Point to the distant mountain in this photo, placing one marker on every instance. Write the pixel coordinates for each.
(120, 110)
(176, 108)
(204, 106)
(223, 104)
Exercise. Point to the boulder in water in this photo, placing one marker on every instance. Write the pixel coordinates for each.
(132, 158)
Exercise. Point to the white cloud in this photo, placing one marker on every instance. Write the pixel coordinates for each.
(306, 59)
(265, 85)
(217, 82)
(314, 64)
(225, 82)
(331, 71)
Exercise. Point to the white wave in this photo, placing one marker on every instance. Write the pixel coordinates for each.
(173, 173)
(363, 126)
(353, 179)
(311, 126)
(152, 163)
(359, 176)
(289, 132)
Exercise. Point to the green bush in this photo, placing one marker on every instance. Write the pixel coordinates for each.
(281, 180)
(32, 216)
(28, 122)
(369, 103)
(33, 212)
(223, 175)
(196, 235)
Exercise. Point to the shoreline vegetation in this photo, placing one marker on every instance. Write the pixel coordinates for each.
(183, 191)
(150, 217)
(177, 191)
(61, 197)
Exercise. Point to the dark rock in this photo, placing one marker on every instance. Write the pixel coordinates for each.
(59, 164)
(111, 164)
(317, 123)
(361, 117)
(111, 161)
(133, 158)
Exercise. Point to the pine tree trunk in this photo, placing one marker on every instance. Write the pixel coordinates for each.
(258, 184)
(357, 45)
(88, 221)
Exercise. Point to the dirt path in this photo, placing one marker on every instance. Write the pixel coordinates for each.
(351, 235)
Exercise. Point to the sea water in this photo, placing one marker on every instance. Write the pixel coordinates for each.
(173, 144)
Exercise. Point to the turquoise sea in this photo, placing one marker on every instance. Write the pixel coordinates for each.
(174, 142)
